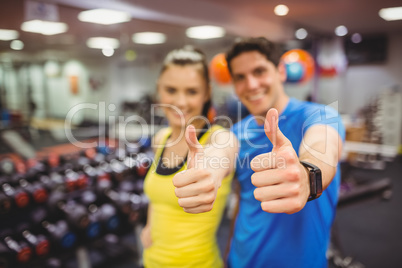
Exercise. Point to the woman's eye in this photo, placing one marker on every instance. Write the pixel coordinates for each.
(192, 92)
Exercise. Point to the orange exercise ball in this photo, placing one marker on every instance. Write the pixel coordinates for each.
(299, 65)
(219, 69)
(211, 115)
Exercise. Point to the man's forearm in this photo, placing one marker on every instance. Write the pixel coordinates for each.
(322, 147)
(327, 171)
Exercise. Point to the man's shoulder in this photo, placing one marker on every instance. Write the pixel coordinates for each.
(305, 109)
(306, 114)
(296, 105)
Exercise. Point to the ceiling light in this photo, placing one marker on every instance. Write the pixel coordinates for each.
(356, 38)
(104, 16)
(44, 27)
(281, 10)
(392, 13)
(205, 32)
(108, 52)
(149, 38)
(103, 42)
(341, 30)
(17, 45)
(301, 33)
(7, 35)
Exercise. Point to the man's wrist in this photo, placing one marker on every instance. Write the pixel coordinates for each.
(315, 180)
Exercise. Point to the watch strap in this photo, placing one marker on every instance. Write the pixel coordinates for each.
(315, 178)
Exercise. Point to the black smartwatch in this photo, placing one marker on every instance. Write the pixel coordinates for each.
(315, 178)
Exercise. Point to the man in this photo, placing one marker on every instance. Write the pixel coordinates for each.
(284, 146)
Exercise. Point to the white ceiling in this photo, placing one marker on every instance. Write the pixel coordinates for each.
(172, 17)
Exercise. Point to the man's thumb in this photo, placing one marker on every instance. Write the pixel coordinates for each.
(272, 130)
(194, 147)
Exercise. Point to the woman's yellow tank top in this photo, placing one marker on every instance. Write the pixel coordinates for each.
(181, 239)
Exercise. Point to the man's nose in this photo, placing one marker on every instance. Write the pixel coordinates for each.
(251, 82)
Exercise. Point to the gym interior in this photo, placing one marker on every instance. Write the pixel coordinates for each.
(78, 110)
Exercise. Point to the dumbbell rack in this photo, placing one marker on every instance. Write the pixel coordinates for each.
(383, 123)
(72, 210)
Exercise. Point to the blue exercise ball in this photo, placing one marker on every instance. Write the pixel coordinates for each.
(294, 72)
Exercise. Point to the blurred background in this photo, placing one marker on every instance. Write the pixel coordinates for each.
(77, 84)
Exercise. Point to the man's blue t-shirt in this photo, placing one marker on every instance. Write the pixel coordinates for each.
(264, 239)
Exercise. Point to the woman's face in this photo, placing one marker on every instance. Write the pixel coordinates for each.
(183, 92)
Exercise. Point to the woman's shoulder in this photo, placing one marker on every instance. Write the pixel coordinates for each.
(159, 135)
(220, 135)
(218, 128)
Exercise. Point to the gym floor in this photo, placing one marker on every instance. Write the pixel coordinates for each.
(371, 231)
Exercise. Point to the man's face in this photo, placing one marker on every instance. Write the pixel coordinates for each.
(258, 83)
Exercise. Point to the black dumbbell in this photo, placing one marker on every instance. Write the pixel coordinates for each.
(60, 234)
(38, 241)
(17, 194)
(76, 214)
(15, 251)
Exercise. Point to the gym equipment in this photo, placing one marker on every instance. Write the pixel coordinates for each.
(74, 213)
(38, 242)
(58, 204)
(294, 71)
(299, 65)
(5, 204)
(106, 214)
(18, 144)
(36, 191)
(13, 251)
(59, 232)
(75, 180)
(109, 217)
(219, 69)
(6, 167)
(18, 195)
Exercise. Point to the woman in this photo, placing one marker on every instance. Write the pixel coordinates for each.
(177, 234)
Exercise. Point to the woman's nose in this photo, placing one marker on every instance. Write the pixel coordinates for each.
(181, 100)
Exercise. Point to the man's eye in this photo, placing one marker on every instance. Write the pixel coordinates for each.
(259, 71)
(238, 78)
(170, 90)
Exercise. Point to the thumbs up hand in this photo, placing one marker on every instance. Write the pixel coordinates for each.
(196, 188)
(195, 150)
(282, 182)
